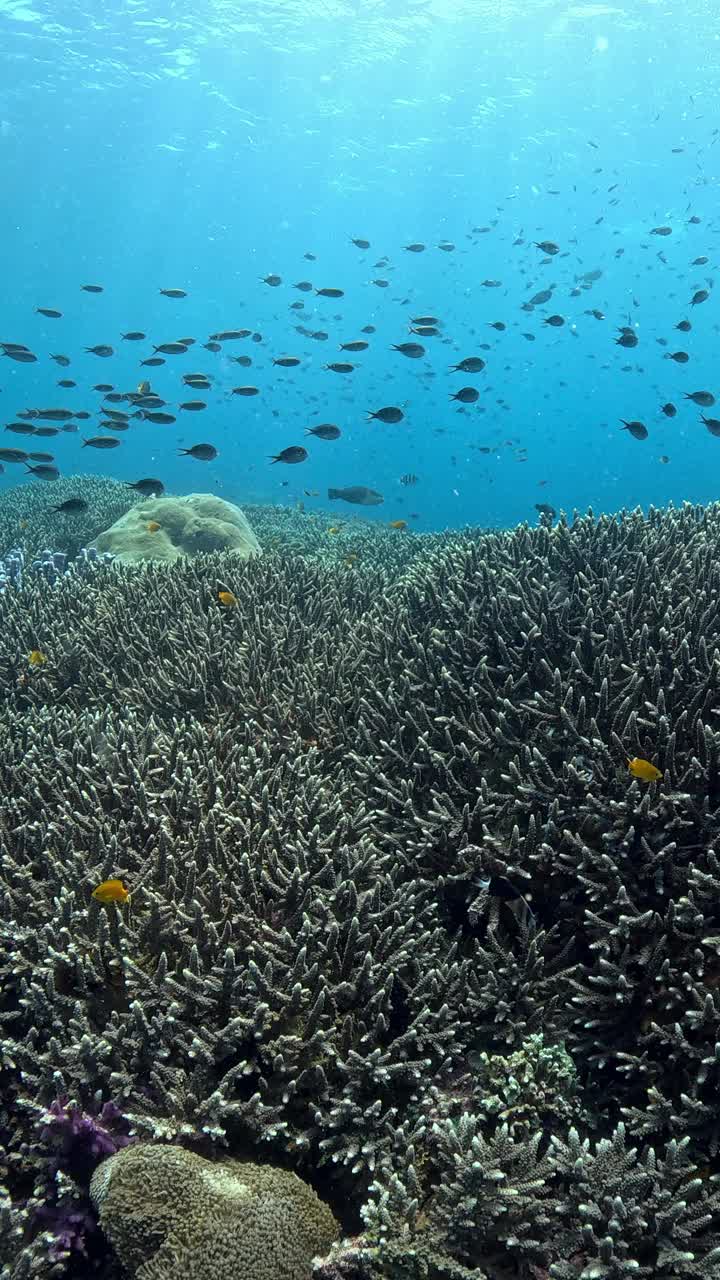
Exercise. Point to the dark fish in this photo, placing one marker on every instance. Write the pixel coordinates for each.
(153, 362)
(414, 248)
(471, 364)
(446, 245)
(116, 414)
(160, 419)
(173, 293)
(287, 362)
(326, 431)
(389, 414)
(67, 382)
(368, 328)
(100, 442)
(21, 357)
(669, 410)
(41, 457)
(230, 335)
(44, 471)
(101, 350)
(319, 335)
(47, 431)
(627, 338)
(295, 453)
(661, 231)
(545, 509)
(556, 322)
(71, 506)
(20, 428)
(466, 395)
(543, 296)
(91, 288)
(412, 350)
(703, 398)
(133, 336)
(428, 330)
(63, 361)
(273, 281)
(305, 286)
(212, 346)
(699, 262)
(547, 246)
(55, 415)
(103, 386)
(193, 406)
(147, 487)
(245, 391)
(340, 366)
(429, 320)
(330, 293)
(360, 244)
(381, 284)
(637, 429)
(13, 455)
(203, 452)
(358, 494)
(354, 346)
(712, 424)
(171, 349)
(701, 295)
(684, 326)
(680, 357)
(48, 311)
(409, 478)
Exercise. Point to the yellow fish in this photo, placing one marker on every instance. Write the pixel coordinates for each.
(335, 528)
(23, 524)
(152, 526)
(111, 891)
(398, 524)
(37, 658)
(143, 388)
(228, 599)
(644, 769)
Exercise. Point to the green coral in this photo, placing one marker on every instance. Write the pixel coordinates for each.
(169, 1213)
(534, 1087)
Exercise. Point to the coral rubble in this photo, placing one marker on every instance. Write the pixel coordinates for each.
(402, 920)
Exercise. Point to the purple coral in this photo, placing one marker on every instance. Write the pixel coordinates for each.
(83, 1139)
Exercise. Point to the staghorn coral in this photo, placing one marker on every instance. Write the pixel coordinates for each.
(389, 870)
(169, 1212)
(27, 518)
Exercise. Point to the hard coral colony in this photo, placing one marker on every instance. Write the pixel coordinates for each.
(413, 916)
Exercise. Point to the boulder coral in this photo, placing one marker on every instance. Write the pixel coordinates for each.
(168, 528)
(171, 1213)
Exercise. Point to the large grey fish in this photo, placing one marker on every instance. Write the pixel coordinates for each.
(359, 494)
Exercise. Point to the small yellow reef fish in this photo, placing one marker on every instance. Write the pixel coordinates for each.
(111, 891)
(152, 526)
(37, 658)
(644, 769)
(228, 599)
(335, 528)
(22, 524)
(397, 524)
(143, 388)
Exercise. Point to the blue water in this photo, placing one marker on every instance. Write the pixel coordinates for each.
(160, 145)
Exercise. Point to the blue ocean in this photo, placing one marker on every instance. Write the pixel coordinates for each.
(232, 152)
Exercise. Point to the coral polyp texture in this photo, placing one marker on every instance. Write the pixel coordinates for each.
(402, 919)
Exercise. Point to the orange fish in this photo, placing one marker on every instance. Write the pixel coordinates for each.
(644, 770)
(111, 891)
(398, 524)
(228, 599)
(152, 526)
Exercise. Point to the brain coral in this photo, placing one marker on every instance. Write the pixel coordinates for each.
(168, 1213)
(187, 526)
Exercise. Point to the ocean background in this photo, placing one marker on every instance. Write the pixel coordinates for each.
(163, 145)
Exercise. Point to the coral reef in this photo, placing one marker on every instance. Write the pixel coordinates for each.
(165, 529)
(170, 1212)
(402, 919)
(28, 521)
